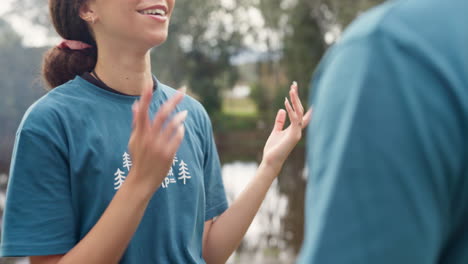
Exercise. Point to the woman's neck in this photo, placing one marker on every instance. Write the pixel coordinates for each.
(124, 70)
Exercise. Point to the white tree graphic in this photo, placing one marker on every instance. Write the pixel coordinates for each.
(127, 162)
(119, 179)
(183, 171)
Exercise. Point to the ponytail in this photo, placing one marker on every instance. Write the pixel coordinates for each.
(62, 64)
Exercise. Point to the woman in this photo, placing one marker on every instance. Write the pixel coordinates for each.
(87, 186)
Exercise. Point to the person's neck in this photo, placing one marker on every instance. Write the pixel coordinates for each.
(124, 70)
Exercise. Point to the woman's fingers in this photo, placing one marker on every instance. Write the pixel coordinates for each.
(171, 127)
(134, 114)
(280, 120)
(294, 94)
(306, 119)
(173, 145)
(165, 110)
(292, 115)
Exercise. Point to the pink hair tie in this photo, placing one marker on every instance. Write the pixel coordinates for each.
(73, 45)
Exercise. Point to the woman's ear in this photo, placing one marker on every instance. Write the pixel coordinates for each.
(88, 12)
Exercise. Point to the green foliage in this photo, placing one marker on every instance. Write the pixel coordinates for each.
(345, 11)
(303, 40)
(303, 48)
(258, 95)
(239, 106)
(225, 123)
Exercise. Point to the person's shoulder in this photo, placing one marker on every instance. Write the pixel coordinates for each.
(198, 118)
(364, 34)
(397, 28)
(384, 22)
(406, 23)
(188, 103)
(368, 24)
(47, 111)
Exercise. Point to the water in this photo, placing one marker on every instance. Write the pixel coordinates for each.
(262, 243)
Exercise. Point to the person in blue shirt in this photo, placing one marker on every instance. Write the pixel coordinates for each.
(113, 166)
(387, 148)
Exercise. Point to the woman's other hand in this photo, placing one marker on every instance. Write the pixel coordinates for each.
(282, 141)
(153, 143)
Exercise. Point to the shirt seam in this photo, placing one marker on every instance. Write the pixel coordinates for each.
(214, 209)
(18, 250)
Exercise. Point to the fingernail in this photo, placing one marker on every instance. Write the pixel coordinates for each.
(183, 90)
(184, 114)
(294, 83)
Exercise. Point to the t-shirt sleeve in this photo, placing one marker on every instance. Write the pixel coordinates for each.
(382, 147)
(216, 201)
(38, 218)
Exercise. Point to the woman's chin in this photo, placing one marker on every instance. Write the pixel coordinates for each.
(156, 41)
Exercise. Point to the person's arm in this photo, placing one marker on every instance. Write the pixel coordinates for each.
(224, 235)
(103, 244)
(379, 158)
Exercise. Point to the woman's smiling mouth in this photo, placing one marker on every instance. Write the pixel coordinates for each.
(156, 12)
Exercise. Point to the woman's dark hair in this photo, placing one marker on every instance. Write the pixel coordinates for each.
(61, 64)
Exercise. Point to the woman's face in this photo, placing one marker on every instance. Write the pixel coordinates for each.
(142, 23)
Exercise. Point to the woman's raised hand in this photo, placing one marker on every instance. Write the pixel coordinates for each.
(282, 141)
(153, 143)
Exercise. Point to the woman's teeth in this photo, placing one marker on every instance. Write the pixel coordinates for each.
(157, 12)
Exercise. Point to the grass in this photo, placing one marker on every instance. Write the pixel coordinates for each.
(239, 107)
(236, 115)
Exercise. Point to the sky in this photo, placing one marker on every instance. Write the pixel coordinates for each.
(4, 6)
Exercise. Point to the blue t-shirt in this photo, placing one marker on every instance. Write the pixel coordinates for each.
(70, 158)
(387, 147)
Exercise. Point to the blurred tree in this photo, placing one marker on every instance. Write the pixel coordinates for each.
(303, 45)
(339, 12)
(306, 29)
(198, 50)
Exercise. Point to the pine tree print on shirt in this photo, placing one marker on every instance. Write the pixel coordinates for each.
(127, 162)
(119, 179)
(184, 172)
(120, 175)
